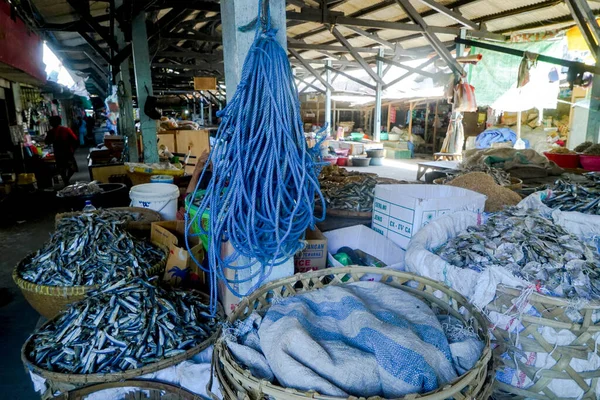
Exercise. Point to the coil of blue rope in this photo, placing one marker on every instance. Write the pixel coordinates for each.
(264, 179)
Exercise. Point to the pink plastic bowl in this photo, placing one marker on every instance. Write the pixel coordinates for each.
(590, 163)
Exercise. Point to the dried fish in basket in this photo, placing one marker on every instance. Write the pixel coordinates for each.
(88, 250)
(500, 176)
(122, 330)
(531, 248)
(80, 189)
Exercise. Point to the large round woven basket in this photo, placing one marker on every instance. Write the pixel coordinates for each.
(64, 381)
(238, 383)
(155, 391)
(50, 300)
(557, 314)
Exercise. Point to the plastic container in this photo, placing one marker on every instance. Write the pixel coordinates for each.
(342, 152)
(376, 162)
(564, 160)
(160, 197)
(112, 195)
(342, 161)
(193, 209)
(161, 179)
(357, 136)
(375, 153)
(383, 136)
(361, 162)
(330, 159)
(590, 163)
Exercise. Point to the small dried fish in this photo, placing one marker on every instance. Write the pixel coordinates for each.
(80, 189)
(500, 176)
(532, 248)
(89, 250)
(121, 326)
(349, 190)
(582, 197)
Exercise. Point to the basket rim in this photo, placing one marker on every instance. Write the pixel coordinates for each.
(139, 383)
(223, 355)
(60, 291)
(118, 376)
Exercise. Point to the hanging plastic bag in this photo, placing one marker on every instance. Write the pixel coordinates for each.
(465, 97)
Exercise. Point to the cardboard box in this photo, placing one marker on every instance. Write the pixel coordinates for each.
(228, 299)
(399, 211)
(314, 255)
(181, 270)
(367, 240)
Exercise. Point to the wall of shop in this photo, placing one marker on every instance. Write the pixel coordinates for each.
(19, 47)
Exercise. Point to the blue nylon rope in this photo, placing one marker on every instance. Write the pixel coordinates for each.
(265, 180)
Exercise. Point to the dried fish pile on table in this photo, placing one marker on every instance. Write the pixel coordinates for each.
(346, 190)
(121, 326)
(582, 197)
(80, 189)
(89, 250)
(532, 248)
(561, 150)
(500, 176)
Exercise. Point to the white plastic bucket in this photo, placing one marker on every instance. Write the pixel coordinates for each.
(160, 197)
(161, 179)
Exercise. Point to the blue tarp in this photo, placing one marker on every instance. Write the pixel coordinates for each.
(496, 135)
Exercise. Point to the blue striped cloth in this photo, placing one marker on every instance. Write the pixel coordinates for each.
(361, 339)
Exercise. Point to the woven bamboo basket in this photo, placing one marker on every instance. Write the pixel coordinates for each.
(64, 382)
(151, 390)
(238, 383)
(554, 314)
(50, 300)
(142, 225)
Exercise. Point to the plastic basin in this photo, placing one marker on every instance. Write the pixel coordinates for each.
(330, 160)
(360, 162)
(342, 152)
(590, 163)
(564, 160)
(357, 136)
(342, 161)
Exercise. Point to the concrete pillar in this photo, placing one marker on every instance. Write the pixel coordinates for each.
(126, 120)
(234, 14)
(377, 109)
(328, 97)
(143, 83)
(593, 125)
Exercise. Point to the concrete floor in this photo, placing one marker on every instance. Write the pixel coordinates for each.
(25, 235)
(404, 170)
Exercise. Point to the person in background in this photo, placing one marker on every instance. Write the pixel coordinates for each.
(81, 125)
(64, 142)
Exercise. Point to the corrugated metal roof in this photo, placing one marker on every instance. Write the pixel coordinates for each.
(550, 14)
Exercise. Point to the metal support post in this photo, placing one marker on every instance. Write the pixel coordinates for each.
(328, 98)
(378, 90)
(143, 83)
(210, 119)
(236, 43)
(201, 109)
(593, 125)
(126, 120)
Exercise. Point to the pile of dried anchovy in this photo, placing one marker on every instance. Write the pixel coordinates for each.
(80, 189)
(581, 148)
(593, 150)
(121, 326)
(532, 248)
(580, 197)
(89, 249)
(500, 176)
(346, 190)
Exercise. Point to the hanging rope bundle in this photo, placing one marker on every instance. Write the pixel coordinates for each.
(264, 180)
